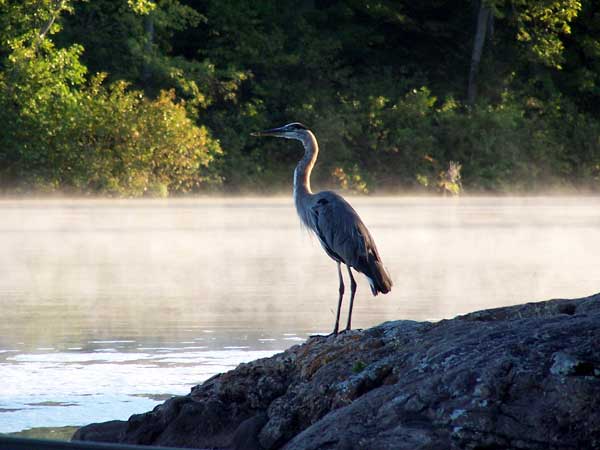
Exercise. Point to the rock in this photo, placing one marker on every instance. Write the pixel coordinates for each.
(521, 377)
(108, 432)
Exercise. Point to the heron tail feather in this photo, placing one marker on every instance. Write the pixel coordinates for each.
(379, 279)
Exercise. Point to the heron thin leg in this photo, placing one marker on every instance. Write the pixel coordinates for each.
(352, 293)
(337, 316)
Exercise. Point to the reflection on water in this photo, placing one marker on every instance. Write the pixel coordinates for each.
(107, 304)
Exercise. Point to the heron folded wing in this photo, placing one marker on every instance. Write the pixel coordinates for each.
(346, 239)
(320, 228)
(339, 229)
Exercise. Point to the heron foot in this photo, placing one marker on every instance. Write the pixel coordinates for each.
(333, 333)
(347, 330)
(322, 335)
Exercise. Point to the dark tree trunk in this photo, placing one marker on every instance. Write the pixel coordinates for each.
(146, 70)
(483, 20)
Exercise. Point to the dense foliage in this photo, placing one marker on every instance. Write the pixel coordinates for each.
(133, 97)
(64, 130)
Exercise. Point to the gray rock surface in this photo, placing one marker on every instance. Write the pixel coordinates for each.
(521, 377)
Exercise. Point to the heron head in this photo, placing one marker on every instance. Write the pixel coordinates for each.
(294, 130)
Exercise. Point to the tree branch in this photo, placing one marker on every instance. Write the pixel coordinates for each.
(60, 4)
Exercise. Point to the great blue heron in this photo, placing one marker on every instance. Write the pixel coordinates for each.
(342, 234)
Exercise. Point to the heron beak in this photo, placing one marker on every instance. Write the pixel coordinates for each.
(272, 132)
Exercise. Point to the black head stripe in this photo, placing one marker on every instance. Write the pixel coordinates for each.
(296, 126)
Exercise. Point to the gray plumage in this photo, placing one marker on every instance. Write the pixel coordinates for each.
(346, 239)
(341, 232)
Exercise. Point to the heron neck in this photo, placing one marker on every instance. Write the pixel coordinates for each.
(305, 166)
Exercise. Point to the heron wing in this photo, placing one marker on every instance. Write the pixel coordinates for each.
(346, 239)
(340, 230)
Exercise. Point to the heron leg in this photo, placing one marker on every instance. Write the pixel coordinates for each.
(352, 293)
(337, 316)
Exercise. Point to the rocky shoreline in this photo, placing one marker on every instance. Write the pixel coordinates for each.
(521, 377)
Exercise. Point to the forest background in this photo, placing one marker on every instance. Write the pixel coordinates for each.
(142, 97)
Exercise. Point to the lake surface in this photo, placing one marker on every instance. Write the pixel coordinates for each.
(109, 306)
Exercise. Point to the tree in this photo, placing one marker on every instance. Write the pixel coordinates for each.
(65, 130)
(537, 26)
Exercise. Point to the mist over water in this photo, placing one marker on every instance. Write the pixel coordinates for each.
(106, 305)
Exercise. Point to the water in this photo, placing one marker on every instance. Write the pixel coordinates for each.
(108, 307)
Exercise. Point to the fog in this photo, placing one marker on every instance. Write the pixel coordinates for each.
(109, 305)
(133, 268)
